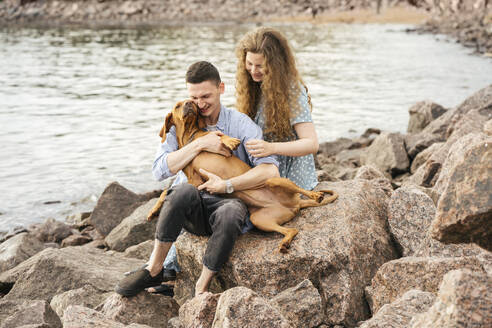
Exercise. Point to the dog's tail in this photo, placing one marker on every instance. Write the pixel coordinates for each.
(154, 212)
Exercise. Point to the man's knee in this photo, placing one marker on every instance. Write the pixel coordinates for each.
(231, 216)
(183, 194)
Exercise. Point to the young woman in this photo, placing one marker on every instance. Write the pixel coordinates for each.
(270, 90)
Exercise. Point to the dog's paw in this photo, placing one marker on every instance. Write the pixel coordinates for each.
(317, 196)
(151, 216)
(231, 143)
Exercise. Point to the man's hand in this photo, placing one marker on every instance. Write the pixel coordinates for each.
(214, 184)
(211, 142)
(260, 148)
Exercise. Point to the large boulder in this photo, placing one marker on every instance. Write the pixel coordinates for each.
(31, 313)
(339, 248)
(116, 203)
(87, 296)
(399, 313)
(464, 211)
(241, 307)
(387, 153)
(422, 113)
(397, 277)
(17, 249)
(464, 300)
(410, 213)
(54, 271)
(134, 229)
(199, 312)
(144, 308)
(301, 305)
(77, 316)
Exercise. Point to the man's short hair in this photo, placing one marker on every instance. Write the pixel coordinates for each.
(202, 71)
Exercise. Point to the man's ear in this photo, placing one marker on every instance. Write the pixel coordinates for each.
(167, 125)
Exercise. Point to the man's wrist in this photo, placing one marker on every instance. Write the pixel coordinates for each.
(229, 189)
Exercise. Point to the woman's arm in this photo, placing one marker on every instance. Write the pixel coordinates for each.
(306, 144)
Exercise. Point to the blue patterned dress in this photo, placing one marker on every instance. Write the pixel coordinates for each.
(299, 169)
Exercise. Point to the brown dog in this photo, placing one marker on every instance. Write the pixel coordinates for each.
(270, 206)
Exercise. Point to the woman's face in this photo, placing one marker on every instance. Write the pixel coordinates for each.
(255, 65)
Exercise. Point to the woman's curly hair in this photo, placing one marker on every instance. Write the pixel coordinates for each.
(281, 85)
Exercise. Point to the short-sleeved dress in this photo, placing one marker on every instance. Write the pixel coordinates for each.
(300, 169)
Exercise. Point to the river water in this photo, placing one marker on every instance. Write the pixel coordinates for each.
(82, 108)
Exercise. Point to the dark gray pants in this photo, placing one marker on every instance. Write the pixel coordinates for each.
(204, 215)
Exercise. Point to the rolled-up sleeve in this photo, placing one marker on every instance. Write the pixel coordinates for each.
(160, 169)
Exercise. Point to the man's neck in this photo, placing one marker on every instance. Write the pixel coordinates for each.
(213, 119)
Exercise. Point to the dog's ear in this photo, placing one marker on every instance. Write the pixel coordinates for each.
(167, 125)
(201, 122)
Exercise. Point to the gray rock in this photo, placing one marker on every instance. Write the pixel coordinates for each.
(54, 271)
(86, 296)
(144, 308)
(326, 251)
(410, 213)
(487, 128)
(199, 312)
(331, 148)
(301, 305)
(241, 307)
(141, 251)
(422, 113)
(134, 229)
(396, 277)
(21, 312)
(75, 240)
(387, 153)
(17, 249)
(76, 316)
(464, 300)
(370, 172)
(424, 155)
(115, 204)
(52, 231)
(464, 211)
(399, 313)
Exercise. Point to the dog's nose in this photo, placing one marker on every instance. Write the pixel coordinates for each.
(188, 108)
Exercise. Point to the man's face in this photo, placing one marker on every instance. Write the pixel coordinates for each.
(207, 96)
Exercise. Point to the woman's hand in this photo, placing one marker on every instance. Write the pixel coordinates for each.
(260, 148)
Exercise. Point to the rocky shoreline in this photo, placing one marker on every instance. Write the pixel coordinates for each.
(407, 244)
(467, 21)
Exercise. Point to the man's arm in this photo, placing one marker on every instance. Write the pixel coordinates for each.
(252, 179)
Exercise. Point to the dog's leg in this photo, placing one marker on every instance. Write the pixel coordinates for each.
(286, 184)
(230, 142)
(270, 219)
(303, 203)
(157, 207)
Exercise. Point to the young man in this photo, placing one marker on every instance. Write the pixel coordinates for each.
(200, 210)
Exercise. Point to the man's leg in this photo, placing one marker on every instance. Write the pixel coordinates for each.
(226, 221)
(182, 208)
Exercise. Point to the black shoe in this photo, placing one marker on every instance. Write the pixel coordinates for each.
(168, 275)
(137, 281)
